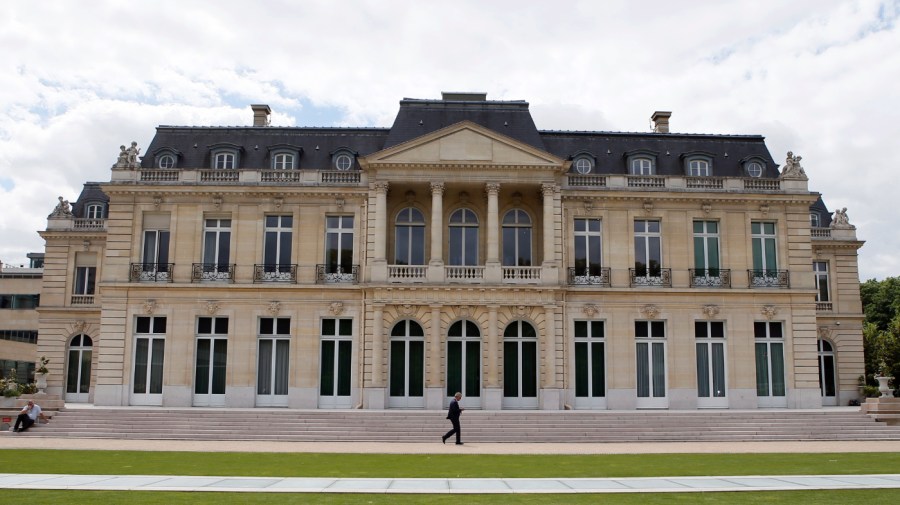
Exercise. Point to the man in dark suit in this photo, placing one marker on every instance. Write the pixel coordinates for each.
(453, 416)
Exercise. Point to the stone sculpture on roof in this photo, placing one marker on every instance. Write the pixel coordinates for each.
(128, 157)
(62, 209)
(841, 221)
(792, 168)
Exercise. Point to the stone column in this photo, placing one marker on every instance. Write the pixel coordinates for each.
(381, 190)
(493, 223)
(551, 395)
(492, 395)
(549, 192)
(434, 395)
(437, 220)
(374, 394)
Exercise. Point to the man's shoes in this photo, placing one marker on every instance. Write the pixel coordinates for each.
(443, 440)
(459, 443)
(15, 430)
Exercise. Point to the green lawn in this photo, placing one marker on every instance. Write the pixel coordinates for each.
(440, 465)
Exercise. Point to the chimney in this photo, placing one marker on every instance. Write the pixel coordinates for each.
(261, 114)
(660, 121)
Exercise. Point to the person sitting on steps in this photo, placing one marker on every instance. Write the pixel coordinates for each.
(29, 415)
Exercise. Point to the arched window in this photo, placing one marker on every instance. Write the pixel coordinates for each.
(520, 365)
(224, 161)
(827, 383)
(698, 168)
(166, 161)
(641, 166)
(463, 238)
(78, 368)
(407, 364)
(94, 211)
(464, 359)
(409, 237)
(283, 161)
(517, 239)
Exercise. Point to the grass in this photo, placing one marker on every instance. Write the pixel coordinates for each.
(440, 465)
(832, 497)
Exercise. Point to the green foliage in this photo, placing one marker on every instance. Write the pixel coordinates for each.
(881, 330)
(42, 367)
(881, 301)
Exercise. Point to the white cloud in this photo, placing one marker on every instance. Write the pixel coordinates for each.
(815, 77)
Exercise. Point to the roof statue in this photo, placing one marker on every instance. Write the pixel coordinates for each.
(62, 210)
(792, 168)
(128, 157)
(841, 221)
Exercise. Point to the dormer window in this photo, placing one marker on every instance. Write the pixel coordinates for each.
(754, 168)
(641, 162)
(343, 162)
(641, 166)
(224, 161)
(94, 211)
(166, 161)
(697, 164)
(583, 165)
(698, 168)
(814, 221)
(283, 161)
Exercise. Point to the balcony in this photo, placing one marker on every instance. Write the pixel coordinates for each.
(704, 182)
(151, 272)
(82, 299)
(407, 273)
(464, 274)
(710, 278)
(340, 177)
(654, 277)
(762, 184)
(332, 274)
(521, 275)
(274, 273)
(212, 272)
(587, 181)
(646, 181)
(824, 307)
(820, 232)
(769, 278)
(580, 276)
(89, 224)
(220, 176)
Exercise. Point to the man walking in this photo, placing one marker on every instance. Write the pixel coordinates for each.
(453, 416)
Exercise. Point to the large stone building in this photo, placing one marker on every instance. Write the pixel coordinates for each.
(20, 288)
(461, 249)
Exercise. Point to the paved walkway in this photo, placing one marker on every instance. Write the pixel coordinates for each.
(445, 486)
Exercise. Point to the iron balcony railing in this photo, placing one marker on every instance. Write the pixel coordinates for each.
(212, 272)
(653, 277)
(336, 274)
(595, 276)
(151, 272)
(274, 273)
(769, 278)
(710, 278)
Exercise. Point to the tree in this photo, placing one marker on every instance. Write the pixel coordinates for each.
(881, 330)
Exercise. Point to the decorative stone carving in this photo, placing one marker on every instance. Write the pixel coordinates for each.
(711, 310)
(463, 197)
(212, 307)
(792, 168)
(706, 207)
(590, 310)
(406, 309)
(648, 207)
(588, 206)
(128, 157)
(278, 201)
(516, 198)
(157, 201)
(79, 326)
(217, 202)
(149, 307)
(840, 220)
(825, 332)
(382, 187)
(86, 245)
(769, 311)
(492, 188)
(62, 210)
(274, 308)
(521, 310)
(410, 196)
(764, 209)
(339, 202)
(650, 311)
(437, 188)
(464, 310)
(548, 190)
(336, 308)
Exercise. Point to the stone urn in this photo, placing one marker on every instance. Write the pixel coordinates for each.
(883, 387)
(40, 380)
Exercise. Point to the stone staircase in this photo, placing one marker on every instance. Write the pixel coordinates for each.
(478, 426)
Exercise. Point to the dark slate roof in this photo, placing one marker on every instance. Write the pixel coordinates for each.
(192, 144)
(825, 215)
(90, 193)
(421, 117)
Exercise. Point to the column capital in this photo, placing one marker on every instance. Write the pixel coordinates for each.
(492, 188)
(382, 186)
(437, 188)
(548, 189)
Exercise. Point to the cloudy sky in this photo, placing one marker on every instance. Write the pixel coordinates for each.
(817, 77)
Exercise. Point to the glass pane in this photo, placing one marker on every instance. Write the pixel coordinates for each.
(264, 368)
(713, 252)
(598, 369)
(149, 247)
(473, 369)
(771, 264)
(777, 369)
(643, 371)
(581, 329)
(762, 370)
(141, 355)
(510, 369)
(454, 367)
(282, 362)
(398, 368)
(718, 371)
(157, 351)
(456, 254)
(581, 369)
(84, 384)
(659, 370)
(270, 256)
(471, 255)
(529, 369)
(345, 354)
(201, 372)
(509, 247)
(326, 387)
(417, 246)
(401, 253)
(827, 363)
(345, 327)
(220, 355)
(703, 370)
(417, 368)
(757, 254)
(72, 372)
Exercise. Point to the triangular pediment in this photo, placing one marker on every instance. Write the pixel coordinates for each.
(464, 143)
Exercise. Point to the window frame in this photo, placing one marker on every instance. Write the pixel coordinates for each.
(583, 165)
(339, 158)
(166, 161)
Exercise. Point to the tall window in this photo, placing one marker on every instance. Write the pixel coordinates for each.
(641, 166)
(94, 211)
(464, 359)
(814, 220)
(647, 248)
(216, 245)
(827, 383)
(763, 241)
(337, 358)
(149, 350)
(590, 359)
(820, 270)
(520, 370)
(212, 355)
(224, 161)
(698, 168)
(78, 368)
(407, 370)
(517, 239)
(283, 161)
(278, 240)
(587, 247)
(650, 341)
(409, 237)
(273, 361)
(769, 359)
(85, 278)
(706, 248)
(463, 237)
(339, 244)
(156, 251)
(710, 344)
